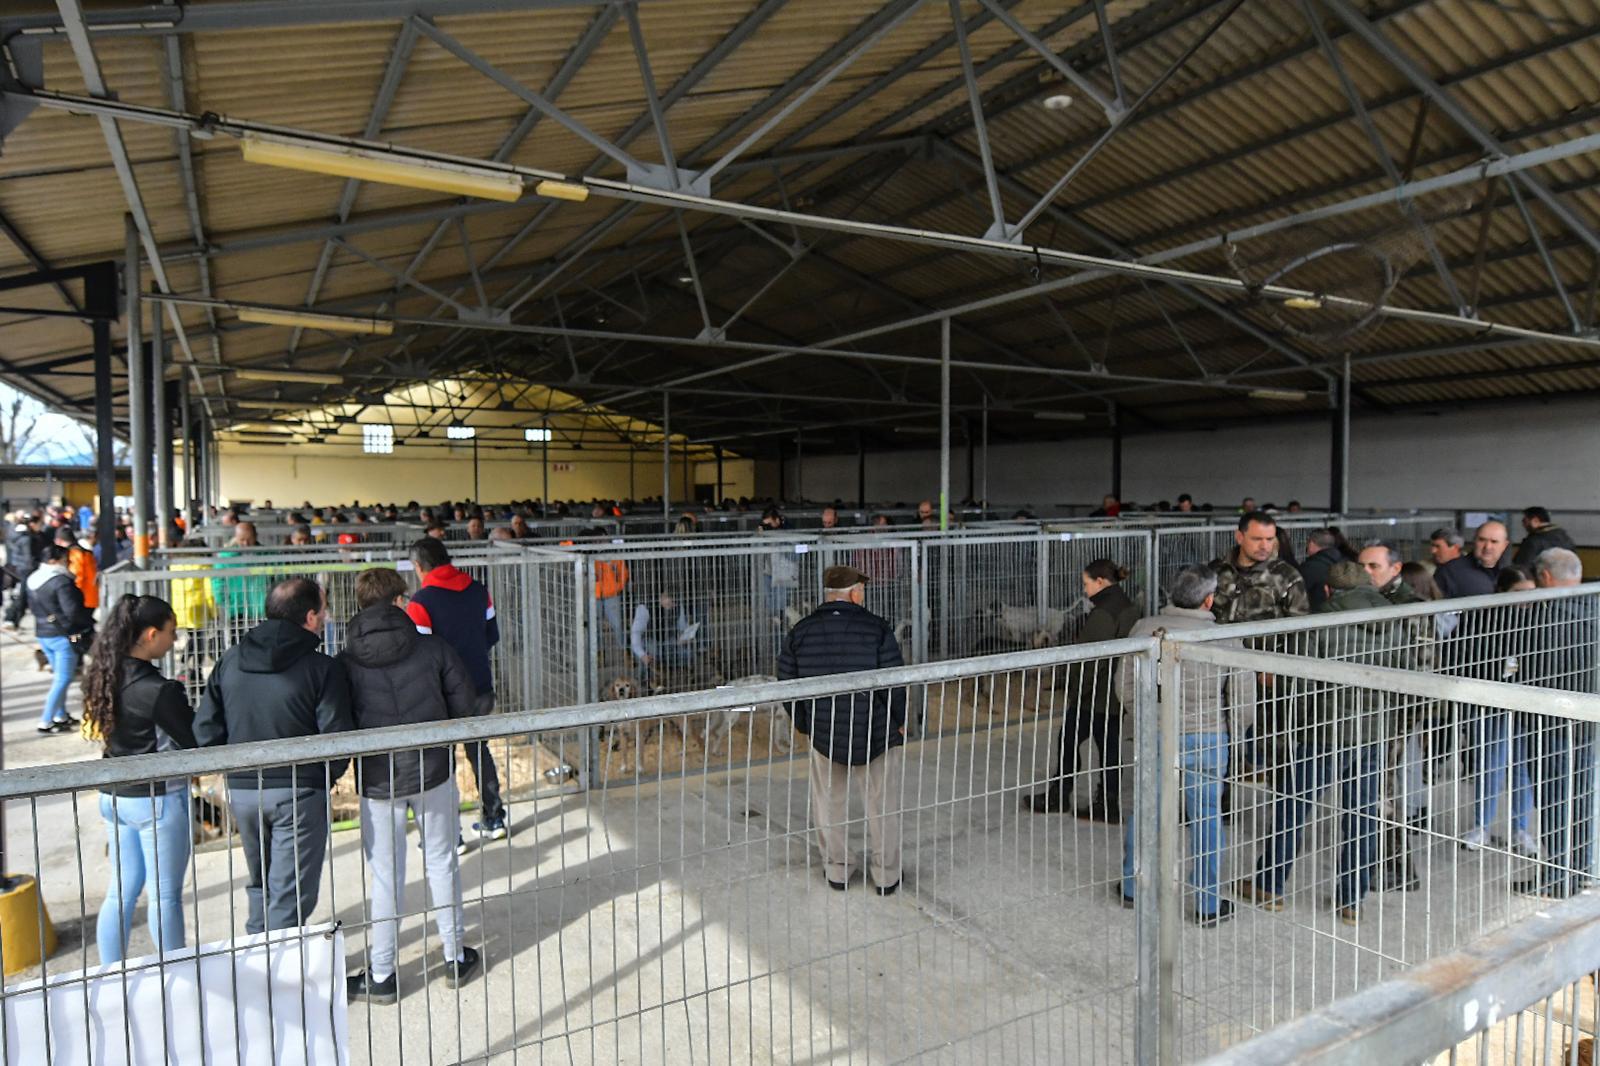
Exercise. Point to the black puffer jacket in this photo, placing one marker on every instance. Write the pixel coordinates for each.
(272, 685)
(840, 638)
(1315, 571)
(1094, 680)
(57, 605)
(23, 548)
(401, 677)
(152, 715)
(1540, 541)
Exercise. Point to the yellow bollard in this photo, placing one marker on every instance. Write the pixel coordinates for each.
(24, 921)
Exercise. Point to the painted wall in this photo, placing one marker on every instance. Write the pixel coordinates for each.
(287, 476)
(1485, 458)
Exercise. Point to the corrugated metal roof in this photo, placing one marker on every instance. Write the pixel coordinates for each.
(1254, 126)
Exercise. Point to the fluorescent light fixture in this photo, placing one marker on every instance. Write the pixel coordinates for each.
(1291, 395)
(1304, 303)
(1057, 102)
(363, 164)
(918, 431)
(377, 438)
(562, 190)
(312, 320)
(460, 432)
(268, 405)
(1059, 416)
(295, 377)
(536, 436)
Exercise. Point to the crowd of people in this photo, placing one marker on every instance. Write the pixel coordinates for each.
(415, 657)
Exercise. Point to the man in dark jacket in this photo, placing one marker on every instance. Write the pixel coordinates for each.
(451, 605)
(274, 684)
(1561, 750)
(401, 677)
(24, 543)
(1335, 737)
(1322, 551)
(1475, 574)
(856, 734)
(1543, 535)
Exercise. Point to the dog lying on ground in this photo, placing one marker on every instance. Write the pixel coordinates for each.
(719, 724)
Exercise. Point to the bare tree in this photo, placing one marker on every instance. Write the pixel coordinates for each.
(19, 423)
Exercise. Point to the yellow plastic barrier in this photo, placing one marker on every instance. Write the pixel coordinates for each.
(23, 921)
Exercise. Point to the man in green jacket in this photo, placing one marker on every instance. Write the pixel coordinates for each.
(1335, 736)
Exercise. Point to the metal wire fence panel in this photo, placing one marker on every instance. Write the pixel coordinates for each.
(684, 919)
(989, 594)
(1363, 815)
(1071, 552)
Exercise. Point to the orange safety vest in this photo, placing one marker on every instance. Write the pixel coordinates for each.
(610, 578)
(80, 564)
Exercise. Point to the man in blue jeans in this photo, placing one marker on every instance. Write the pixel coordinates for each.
(1209, 694)
(275, 684)
(1336, 735)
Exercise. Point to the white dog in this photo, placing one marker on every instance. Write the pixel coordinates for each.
(719, 724)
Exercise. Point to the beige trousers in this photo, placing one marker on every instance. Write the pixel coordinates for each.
(830, 808)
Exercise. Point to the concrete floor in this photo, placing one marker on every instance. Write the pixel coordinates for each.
(687, 921)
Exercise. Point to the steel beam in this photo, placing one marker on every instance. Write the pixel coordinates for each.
(76, 31)
(997, 207)
(157, 20)
(1407, 68)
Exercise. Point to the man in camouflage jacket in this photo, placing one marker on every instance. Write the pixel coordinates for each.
(1253, 584)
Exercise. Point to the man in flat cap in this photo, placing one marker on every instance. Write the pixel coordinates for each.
(854, 736)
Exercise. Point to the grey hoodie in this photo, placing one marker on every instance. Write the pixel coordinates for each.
(1206, 691)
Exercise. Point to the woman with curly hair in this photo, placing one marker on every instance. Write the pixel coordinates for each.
(133, 710)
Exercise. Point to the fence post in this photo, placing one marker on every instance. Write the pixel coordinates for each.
(1153, 569)
(1041, 590)
(1156, 893)
(587, 667)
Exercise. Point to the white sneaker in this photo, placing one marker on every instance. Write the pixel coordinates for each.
(1525, 844)
(1475, 838)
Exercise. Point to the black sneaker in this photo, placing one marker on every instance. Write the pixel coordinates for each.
(463, 969)
(1049, 801)
(1211, 921)
(887, 890)
(361, 986)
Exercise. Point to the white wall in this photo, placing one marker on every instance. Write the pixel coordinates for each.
(1485, 458)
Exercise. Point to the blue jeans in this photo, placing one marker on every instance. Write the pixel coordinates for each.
(63, 656)
(1490, 735)
(1205, 764)
(1359, 773)
(611, 612)
(148, 839)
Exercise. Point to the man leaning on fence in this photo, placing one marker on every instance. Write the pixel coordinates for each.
(1335, 735)
(1208, 696)
(1562, 750)
(276, 685)
(857, 735)
(399, 676)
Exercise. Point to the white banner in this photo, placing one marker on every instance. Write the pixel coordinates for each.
(276, 998)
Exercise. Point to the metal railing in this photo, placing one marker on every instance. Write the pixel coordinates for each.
(1523, 995)
(678, 909)
(687, 918)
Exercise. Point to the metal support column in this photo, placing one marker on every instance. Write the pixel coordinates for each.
(983, 491)
(718, 449)
(666, 462)
(972, 471)
(138, 396)
(799, 466)
(861, 471)
(187, 502)
(1116, 452)
(163, 432)
(944, 423)
(105, 439)
(477, 499)
(1339, 459)
(544, 461)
